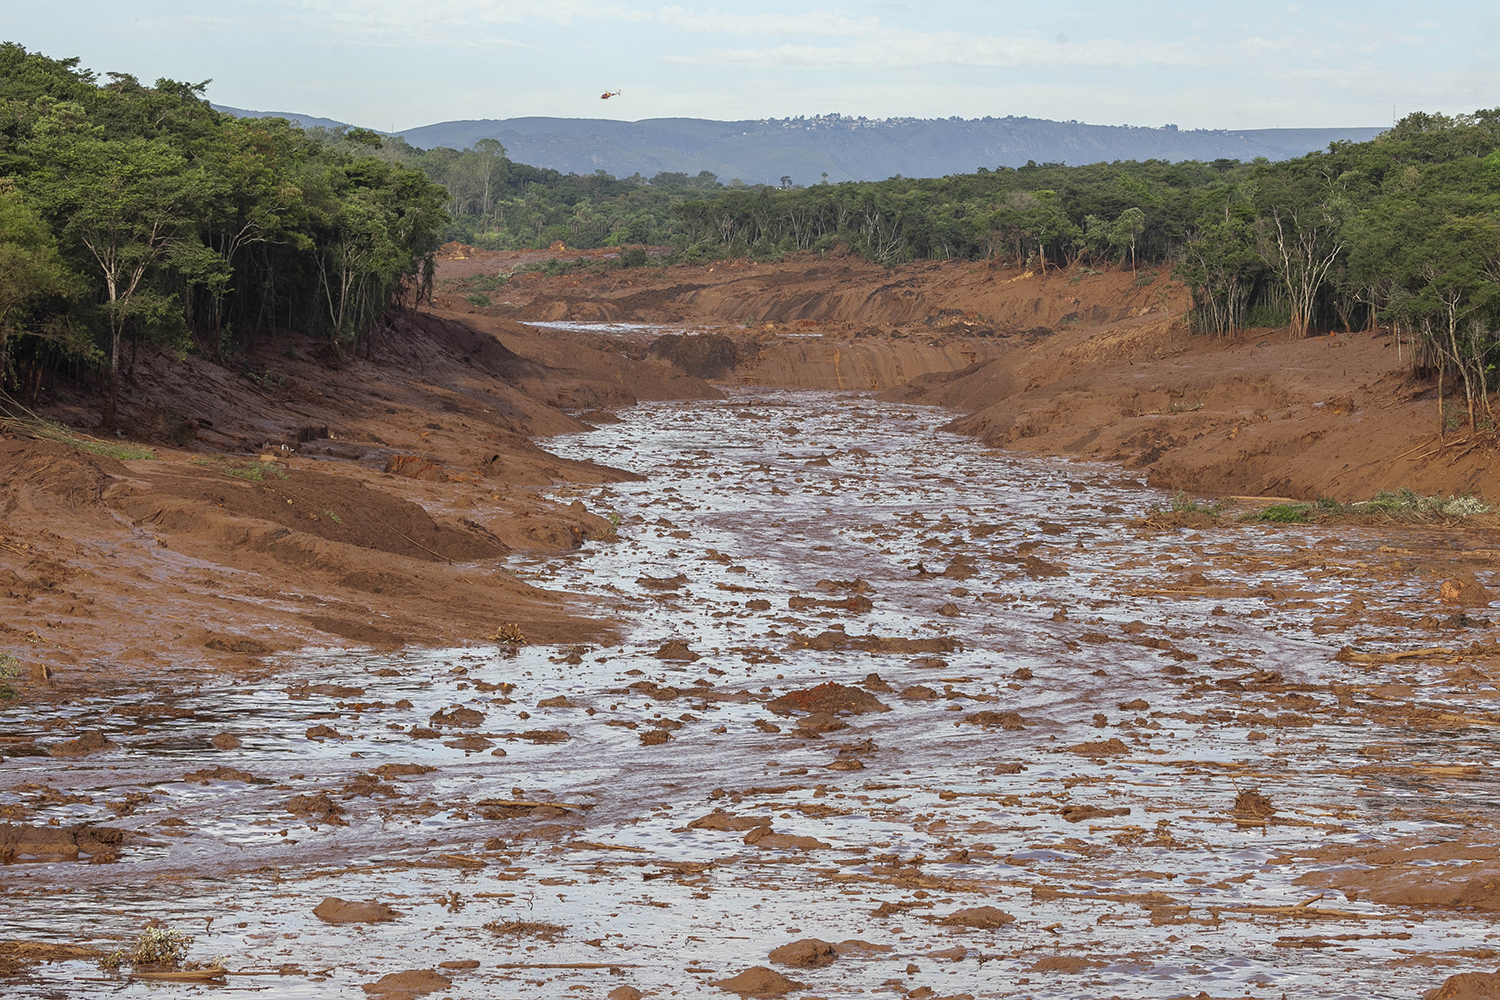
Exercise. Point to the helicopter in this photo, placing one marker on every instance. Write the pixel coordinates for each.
(608, 94)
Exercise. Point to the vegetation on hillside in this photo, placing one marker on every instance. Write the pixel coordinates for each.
(133, 213)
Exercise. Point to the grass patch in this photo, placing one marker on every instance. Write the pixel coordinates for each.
(1403, 505)
(118, 452)
(1184, 504)
(251, 472)
(1285, 513)
(10, 669)
(478, 299)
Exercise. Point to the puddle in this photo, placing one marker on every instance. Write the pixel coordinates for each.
(1137, 681)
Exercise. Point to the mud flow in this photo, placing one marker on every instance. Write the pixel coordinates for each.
(960, 716)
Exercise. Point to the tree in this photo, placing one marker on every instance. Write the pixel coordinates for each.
(129, 205)
(30, 268)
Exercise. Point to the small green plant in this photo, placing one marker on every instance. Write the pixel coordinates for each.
(478, 299)
(10, 669)
(1145, 278)
(1285, 513)
(1184, 504)
(118, 452)
(333, 517)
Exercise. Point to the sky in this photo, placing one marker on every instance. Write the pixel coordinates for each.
(396, 64)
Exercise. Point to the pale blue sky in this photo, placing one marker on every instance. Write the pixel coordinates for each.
(402, 63)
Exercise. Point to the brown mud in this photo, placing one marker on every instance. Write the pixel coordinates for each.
(375, 696)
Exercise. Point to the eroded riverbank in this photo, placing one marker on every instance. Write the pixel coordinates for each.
(1142, 745)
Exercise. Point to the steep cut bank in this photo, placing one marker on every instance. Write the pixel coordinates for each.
(297, 498)
(1072, 362)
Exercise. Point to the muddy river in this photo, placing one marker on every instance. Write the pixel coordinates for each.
(876, 680)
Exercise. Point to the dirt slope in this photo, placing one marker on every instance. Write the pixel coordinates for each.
(299, 498)
(1097, 365)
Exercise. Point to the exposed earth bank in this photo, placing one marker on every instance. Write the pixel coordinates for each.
(1097, 365)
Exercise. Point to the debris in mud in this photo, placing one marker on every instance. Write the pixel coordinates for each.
(526, 928)
(91, 742)
(407, 985)
(918, 692)
(829, 698)
(321, 732)
(510, 633)
(982, 917)
(403, 770)
(1250, 804)
(676, 650)
(808, 953)
(654, 737)
(225, 741)
(339, 911)
(758, 981)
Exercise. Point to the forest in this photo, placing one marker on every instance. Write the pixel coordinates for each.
(134, 214)
(137, 214)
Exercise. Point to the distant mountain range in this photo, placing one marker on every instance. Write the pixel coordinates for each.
(804, 149)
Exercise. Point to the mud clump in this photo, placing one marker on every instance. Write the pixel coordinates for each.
(339, 911)
(759, 981)
(458, 716)
(1077, 814)
(721, 820)
(1112, 747)
(764, 836)
(1464, 591)
(829, 698)
(319, 807)
(809, 953)
(53, 843)
(677, 651)
(1468, 986)
(981, 917)
(225, 741)
(405, 985)
(996, 720)
(91, 742)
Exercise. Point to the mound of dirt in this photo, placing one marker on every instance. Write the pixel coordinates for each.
(758, 981)
(333, 910)
(829, 698)
(982, 917)
(809, 953)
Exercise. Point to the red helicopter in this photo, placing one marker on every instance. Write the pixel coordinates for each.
(608, 94)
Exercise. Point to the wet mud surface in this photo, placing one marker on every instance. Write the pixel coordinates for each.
(959, 722)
